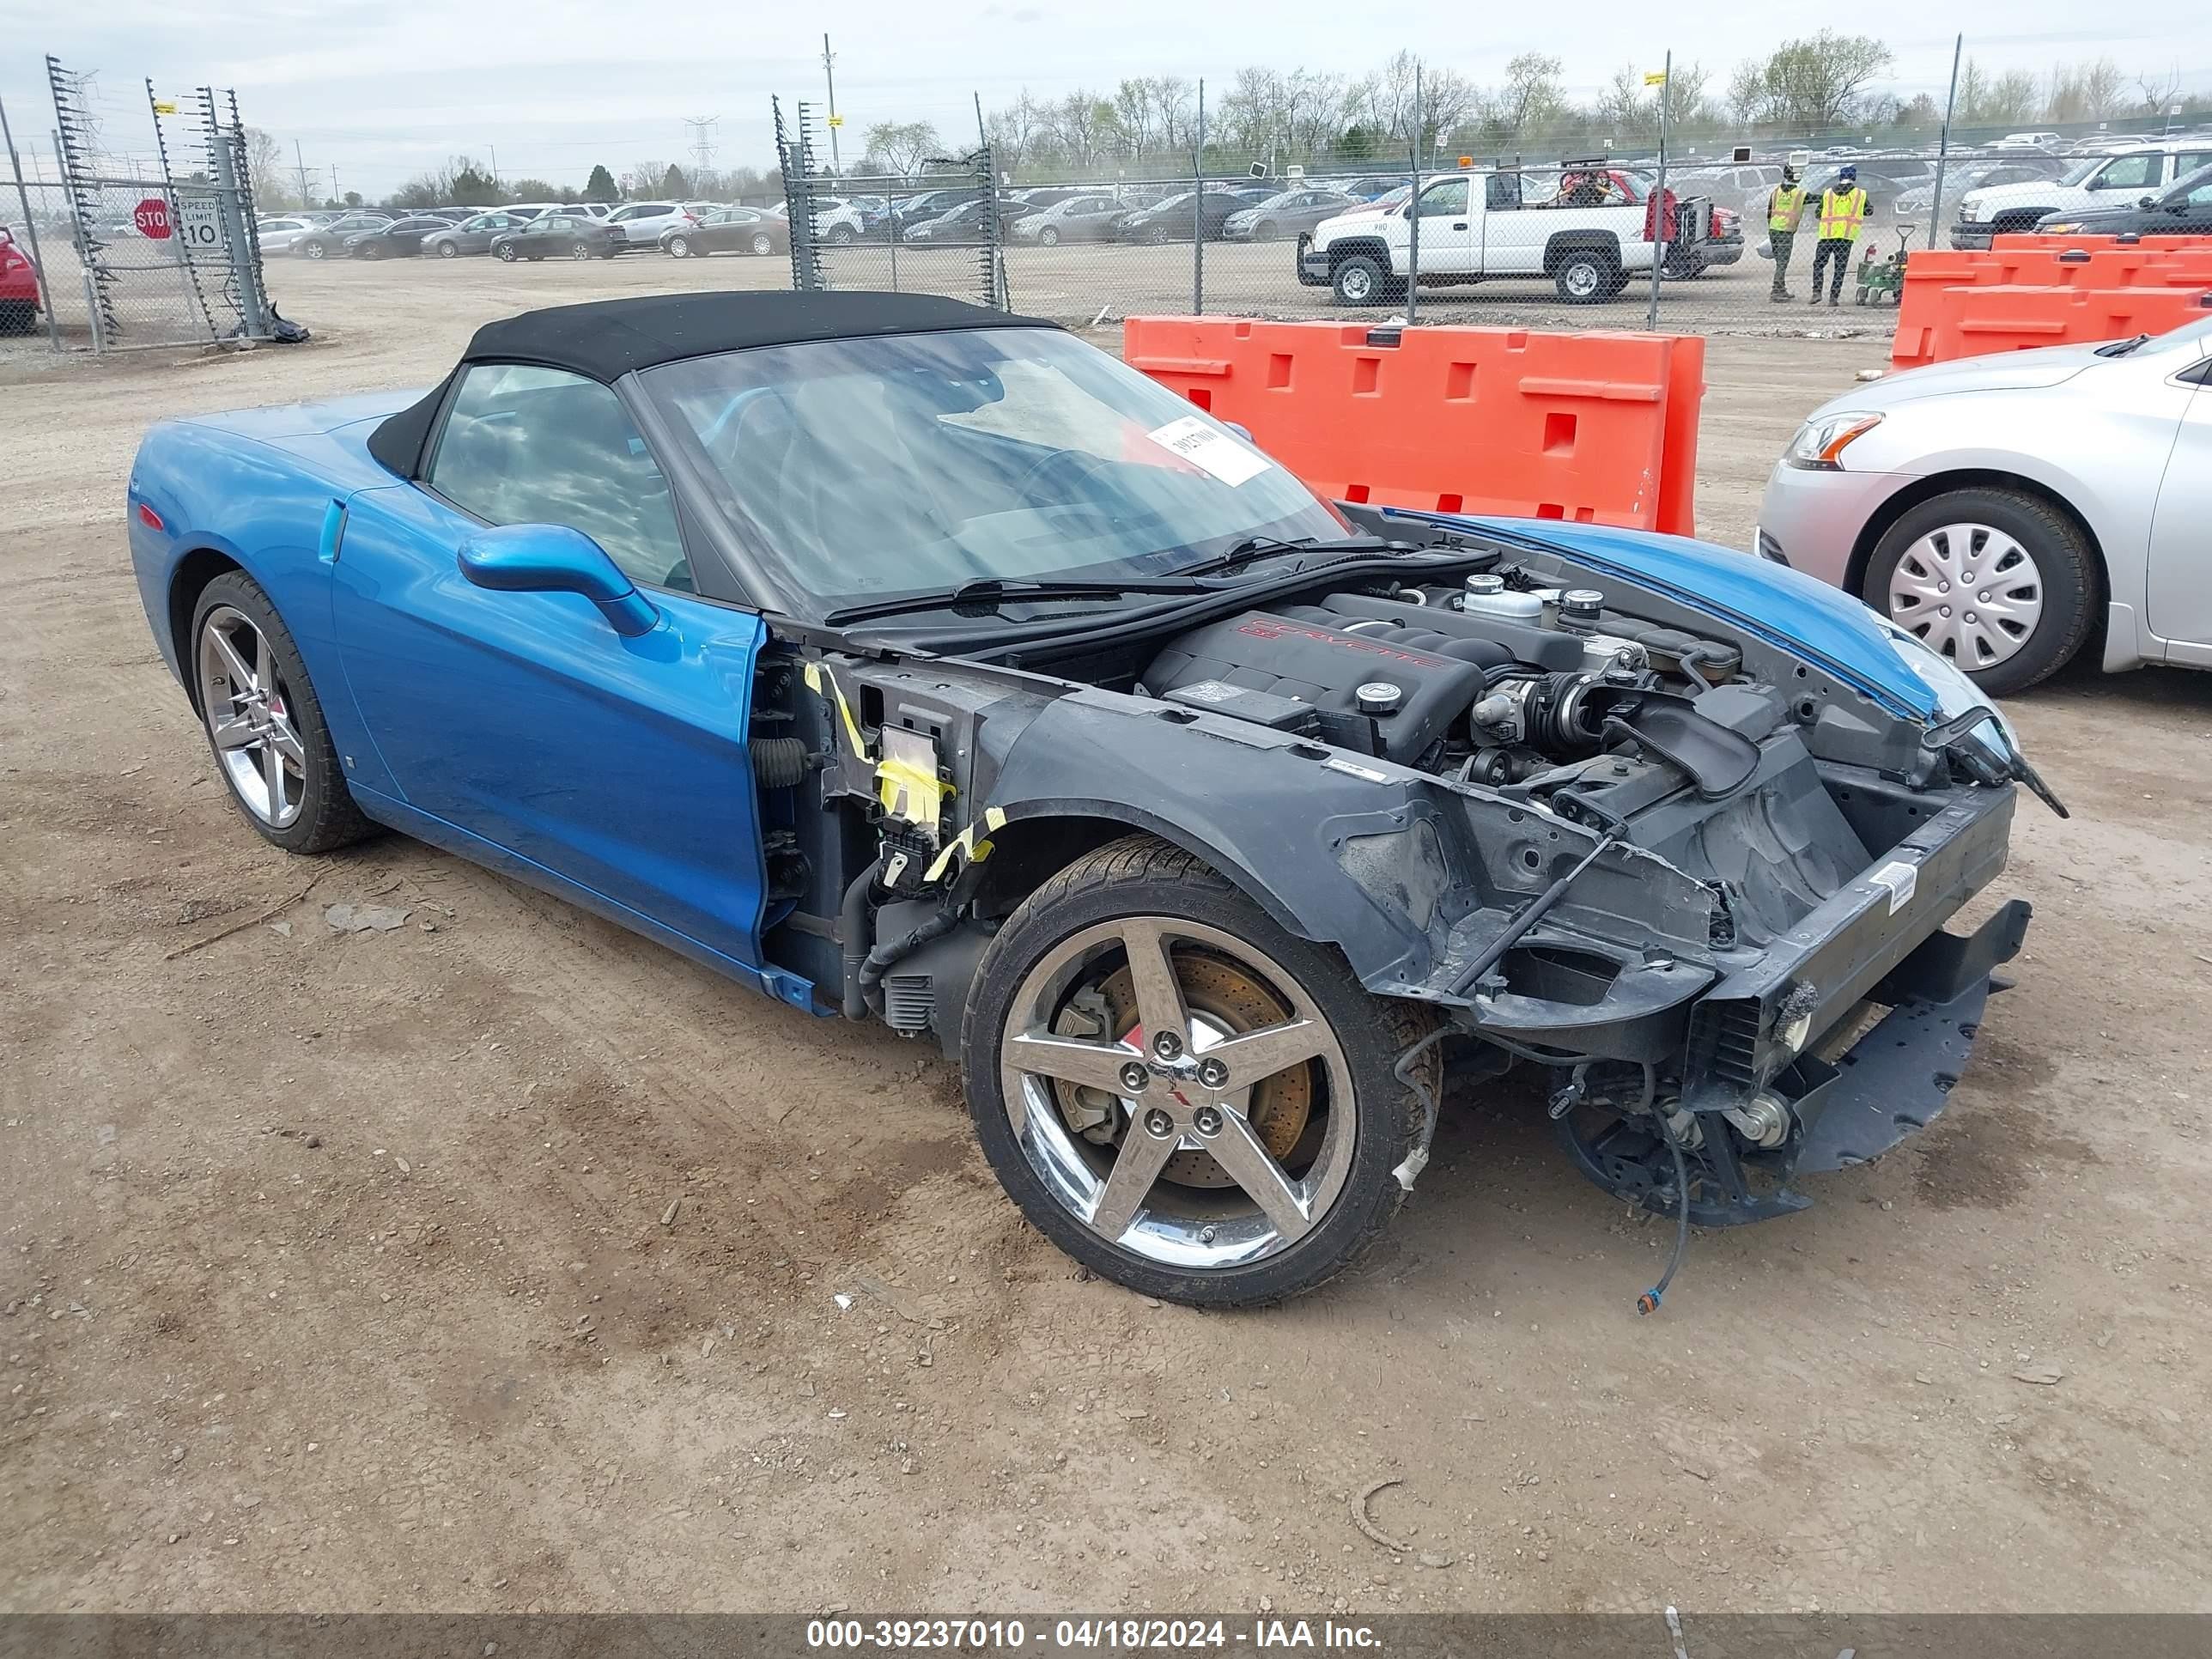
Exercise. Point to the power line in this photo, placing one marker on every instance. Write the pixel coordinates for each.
(703, 138)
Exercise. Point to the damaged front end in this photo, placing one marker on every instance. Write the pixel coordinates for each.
(1683, 833)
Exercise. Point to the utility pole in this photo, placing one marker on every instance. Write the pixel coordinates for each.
(494, 149)
(306, 201)
(335, 197)
(830, 80)
(1943, 143)
(1659, 198)
(702, 143)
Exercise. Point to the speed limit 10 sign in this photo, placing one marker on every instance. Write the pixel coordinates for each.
(199, 222)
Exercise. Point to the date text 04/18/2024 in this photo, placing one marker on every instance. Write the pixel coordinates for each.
(1107, 1635)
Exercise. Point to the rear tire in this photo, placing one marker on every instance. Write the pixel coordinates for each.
(1941, 539)
(1340, 1119)
(764, 244)
(326, 818)
(579, 249)
(1585, 276)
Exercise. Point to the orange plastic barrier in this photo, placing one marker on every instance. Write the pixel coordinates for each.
(2023, 242)
(1938, 323)
(1594, 428)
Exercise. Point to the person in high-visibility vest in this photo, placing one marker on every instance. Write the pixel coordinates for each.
(1844, 208)
(1785, 206)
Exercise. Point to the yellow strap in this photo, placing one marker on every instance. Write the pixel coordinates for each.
(967, 845)
(816, 673)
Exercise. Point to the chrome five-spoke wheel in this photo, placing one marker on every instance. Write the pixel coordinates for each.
(1184, 1096)
(248, 709)
(1171, 1086)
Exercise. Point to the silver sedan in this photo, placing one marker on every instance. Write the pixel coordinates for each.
(2007, 510)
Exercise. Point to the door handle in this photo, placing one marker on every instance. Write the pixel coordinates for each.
(1459, 224)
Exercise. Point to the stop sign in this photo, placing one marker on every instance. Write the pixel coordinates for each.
(152, 218)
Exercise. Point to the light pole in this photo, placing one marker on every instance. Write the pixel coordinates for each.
(830, 80)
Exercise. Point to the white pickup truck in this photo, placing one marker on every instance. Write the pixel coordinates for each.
(1478, 226)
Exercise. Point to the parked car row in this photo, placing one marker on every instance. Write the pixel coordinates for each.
(2123, 180)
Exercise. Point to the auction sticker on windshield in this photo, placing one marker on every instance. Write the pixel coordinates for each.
(1211, 451)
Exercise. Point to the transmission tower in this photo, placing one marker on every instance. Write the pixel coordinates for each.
(702, 139)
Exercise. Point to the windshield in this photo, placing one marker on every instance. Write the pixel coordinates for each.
(2081, 169)
(908, 463)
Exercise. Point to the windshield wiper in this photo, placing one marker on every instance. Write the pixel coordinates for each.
(2121, 348)
(1268, 547)
(987, 593)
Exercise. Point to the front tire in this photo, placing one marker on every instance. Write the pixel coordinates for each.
(314, 249)
(1359, 281)
(679, 248)
(1182, 1096)
(449, 250)
(1049, 237)
(2000, 582)
(264, 723)
(506, 251)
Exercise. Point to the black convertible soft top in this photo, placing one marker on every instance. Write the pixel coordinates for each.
(605, 339)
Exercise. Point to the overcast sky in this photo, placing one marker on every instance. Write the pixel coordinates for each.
(381, 91)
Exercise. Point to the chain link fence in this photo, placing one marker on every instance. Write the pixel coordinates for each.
(1581, 243)
(106, 256)
(1677, 235)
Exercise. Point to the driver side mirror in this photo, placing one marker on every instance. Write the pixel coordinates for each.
(552, 558)
(2147, 201)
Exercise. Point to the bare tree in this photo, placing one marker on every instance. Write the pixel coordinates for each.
(1530, 101)
(2159, 95)
(1084, 125)
(2083, 91)
(900, 147)
(1174, 108)
(1013, 131)
(1382, 103)
(1813, 83)
(275, 186)
(641, 179)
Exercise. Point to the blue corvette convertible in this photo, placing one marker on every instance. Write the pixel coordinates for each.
(922, 663)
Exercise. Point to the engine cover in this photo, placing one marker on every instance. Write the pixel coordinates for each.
(1291, 655)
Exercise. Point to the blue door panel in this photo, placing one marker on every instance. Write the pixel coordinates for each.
(525, 721)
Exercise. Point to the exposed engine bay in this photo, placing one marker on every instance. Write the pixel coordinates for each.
(1681, 864)
(1556, 697)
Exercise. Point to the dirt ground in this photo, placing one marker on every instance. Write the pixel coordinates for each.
(505, 1261)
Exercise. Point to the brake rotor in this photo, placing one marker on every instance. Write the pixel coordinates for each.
(1218, 993)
